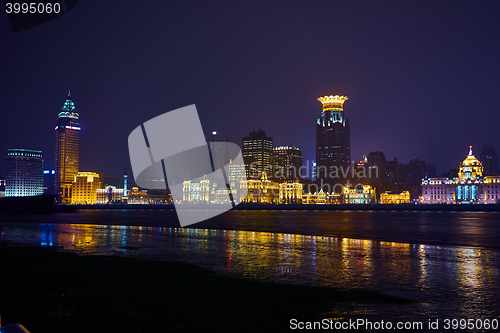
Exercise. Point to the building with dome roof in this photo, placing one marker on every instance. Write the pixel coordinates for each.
(471, 186)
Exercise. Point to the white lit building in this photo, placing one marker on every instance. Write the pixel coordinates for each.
(469, 187)
(291, 192)
(196, 192)
(359, 194)
(109, 194)
(24, 173)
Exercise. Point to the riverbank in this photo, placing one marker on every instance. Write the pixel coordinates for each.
(370, 207)
(50, 291)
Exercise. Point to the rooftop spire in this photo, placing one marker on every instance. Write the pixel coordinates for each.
(68, 106)
(470, 150)
(69, 89)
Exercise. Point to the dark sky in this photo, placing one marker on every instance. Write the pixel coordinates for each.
(422, 77)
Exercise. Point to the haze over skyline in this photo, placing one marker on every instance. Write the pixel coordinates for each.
(421, 78)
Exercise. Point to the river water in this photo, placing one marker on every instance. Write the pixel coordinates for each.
(448, 262)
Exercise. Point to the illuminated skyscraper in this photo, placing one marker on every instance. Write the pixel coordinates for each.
(24, 173)
(67, 149)
(258, 151)
(287, 161)
(333, 141)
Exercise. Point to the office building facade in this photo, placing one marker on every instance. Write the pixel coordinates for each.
(287, 162)
(24, 173)
(84, 188)
(333, 154)
(67, 149)
(257, 152)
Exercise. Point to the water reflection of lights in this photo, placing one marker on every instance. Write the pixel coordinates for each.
(46, 235)
(471, 273)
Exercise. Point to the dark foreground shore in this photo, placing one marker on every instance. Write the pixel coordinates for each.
(50, 291)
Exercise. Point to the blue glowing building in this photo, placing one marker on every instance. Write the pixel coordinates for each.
(24, 173)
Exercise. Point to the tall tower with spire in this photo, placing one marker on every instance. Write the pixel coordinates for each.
(67, 149)
(333, 143)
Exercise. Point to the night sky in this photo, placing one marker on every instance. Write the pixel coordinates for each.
(422, 77)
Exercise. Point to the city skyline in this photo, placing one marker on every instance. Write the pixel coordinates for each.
(409, 93)
(67, 140)
(332, 163)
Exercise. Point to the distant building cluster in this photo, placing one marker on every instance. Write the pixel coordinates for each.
(274, 174)
(270, 175)
(266, 191)
(26, 175)
(392, 176)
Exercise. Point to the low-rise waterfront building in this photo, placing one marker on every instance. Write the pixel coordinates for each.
(260, 190)
(395, 198)
(316, 198)
(359, 194)
(290, 192)
(321, 198)
(220, 196)
(137, 196)
(471, 186)
(109, 194)
(196, 192)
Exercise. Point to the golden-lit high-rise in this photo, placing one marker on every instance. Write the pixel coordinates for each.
(333, 145)
(84, 189)
(257, 152)
(67, 149)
